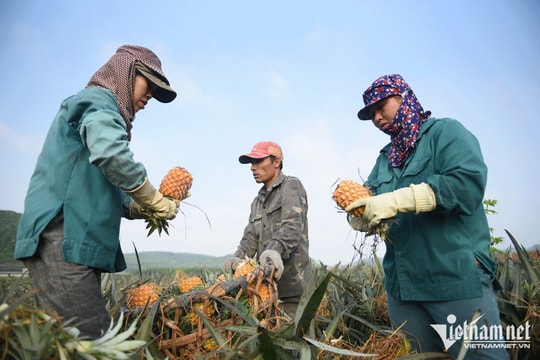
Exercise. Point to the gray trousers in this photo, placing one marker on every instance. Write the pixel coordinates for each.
(70, 290)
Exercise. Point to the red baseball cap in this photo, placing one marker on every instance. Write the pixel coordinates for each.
(261, 150)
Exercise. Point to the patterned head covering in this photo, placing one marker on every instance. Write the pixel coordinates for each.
(404, 128)
(118, 76)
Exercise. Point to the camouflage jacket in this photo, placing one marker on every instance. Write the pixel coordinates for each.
(278, 221)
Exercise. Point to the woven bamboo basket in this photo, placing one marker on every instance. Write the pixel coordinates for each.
(179, 331)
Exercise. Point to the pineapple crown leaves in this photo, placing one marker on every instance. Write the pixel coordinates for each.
(112, 345)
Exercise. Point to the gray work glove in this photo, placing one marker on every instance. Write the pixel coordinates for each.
(272, 257)
(230, 265)
(153, 202)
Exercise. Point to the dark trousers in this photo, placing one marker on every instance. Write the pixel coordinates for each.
(70, 290)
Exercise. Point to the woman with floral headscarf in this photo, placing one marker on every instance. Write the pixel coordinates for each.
(430, 181)
(84, 181)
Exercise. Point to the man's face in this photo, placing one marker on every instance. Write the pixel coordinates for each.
(265, 170)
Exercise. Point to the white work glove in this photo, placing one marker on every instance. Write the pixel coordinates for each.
(272, 257)
(153, 202)
(418, 198)
(230, 265)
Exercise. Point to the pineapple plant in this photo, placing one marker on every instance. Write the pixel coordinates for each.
(142, 295)
(348, 191)
(175, 185)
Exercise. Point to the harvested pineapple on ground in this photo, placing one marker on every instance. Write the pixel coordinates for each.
(190, 283)
(193, 318)
(142, 295)
(246, 266)
(175, 185)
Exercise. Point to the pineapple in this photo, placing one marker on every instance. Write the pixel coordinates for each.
(144, 294)
(190, 283)
(209, 344)
(245, 267)
(193, 318)
(175, 185)
(348, 191)
(263, 294)
(220, 279)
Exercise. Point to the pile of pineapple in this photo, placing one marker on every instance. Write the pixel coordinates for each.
(187, 305)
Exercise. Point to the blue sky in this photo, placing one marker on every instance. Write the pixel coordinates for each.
(288, 71)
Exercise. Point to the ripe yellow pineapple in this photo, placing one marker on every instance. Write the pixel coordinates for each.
(209, 344)
(193, 318)
(246, 266)
(263, 293)
(144, 294)
(220, 279)
(190, 283)
(348, 191)
(175, 185)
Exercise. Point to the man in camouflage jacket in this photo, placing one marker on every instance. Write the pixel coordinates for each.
(277, 231)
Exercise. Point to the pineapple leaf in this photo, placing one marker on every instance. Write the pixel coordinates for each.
(265, 344)
(303, 318)
(218, 337)
(530, 273)
(336, 350)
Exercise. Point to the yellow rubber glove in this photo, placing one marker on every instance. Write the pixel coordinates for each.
(418, 198)
(154, 202)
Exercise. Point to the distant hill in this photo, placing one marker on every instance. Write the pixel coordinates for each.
(149, 260)
(8, 229)
(162, 259)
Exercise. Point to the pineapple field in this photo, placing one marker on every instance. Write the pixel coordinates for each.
(200, 313)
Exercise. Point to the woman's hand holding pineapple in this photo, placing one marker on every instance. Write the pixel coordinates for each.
(153, 202)
(418, 198)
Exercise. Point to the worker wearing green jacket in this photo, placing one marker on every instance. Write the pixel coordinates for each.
(428, 185)
(84, 181)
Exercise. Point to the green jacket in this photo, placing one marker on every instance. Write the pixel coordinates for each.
(84, 163)
(278, 221)
(431, 256)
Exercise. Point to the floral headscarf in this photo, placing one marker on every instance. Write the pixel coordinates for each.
(118, 75)
(404, 128)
